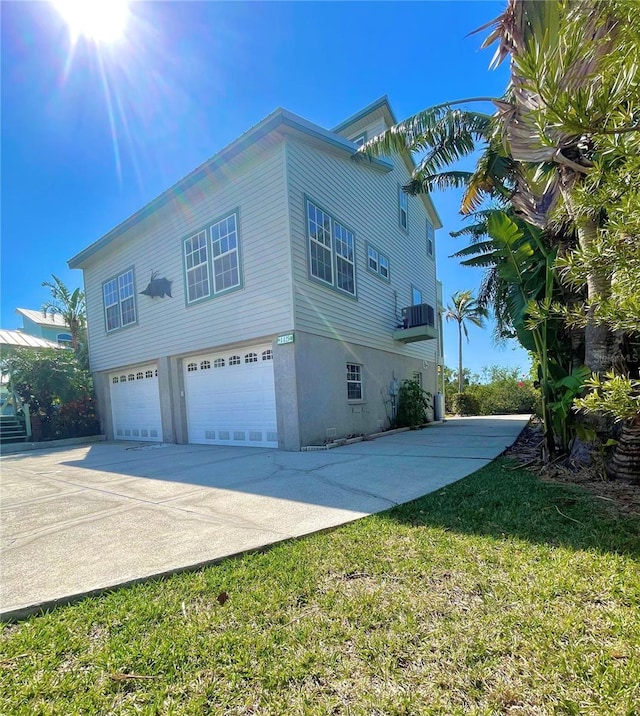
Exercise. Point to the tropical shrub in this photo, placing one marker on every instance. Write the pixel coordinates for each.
(464, 404)
(47, 380)
(413, 403)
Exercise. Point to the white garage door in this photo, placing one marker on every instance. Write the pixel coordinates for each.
(231, 398)
(135, 404)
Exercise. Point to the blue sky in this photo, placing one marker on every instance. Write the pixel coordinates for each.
(89, 135)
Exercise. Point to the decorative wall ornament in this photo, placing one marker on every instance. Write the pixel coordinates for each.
(160, 287)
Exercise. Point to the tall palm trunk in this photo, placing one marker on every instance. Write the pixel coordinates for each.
(598, 339)
(460, 379)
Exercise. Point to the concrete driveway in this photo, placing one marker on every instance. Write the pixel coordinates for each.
(78, 520)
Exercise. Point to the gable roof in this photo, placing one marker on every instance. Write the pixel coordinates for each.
(54, 320)
(380, 105)
(24, 340)
(280, 120)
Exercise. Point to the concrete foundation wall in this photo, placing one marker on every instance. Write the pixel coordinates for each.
(321, 384)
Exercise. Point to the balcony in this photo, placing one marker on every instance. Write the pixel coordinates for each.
(418, 324)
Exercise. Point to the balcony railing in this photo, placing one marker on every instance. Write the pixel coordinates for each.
(418, 324)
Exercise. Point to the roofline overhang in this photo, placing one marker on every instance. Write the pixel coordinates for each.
(382, 102)
(280, 119)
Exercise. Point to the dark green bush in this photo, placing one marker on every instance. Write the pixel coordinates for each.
(413, 403)
(464, 404)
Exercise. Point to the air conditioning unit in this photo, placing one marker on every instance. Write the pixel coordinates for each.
(421, 314)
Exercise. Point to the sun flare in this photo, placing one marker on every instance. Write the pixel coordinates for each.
(97, 20)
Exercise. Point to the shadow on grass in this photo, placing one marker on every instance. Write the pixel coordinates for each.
(498, 501)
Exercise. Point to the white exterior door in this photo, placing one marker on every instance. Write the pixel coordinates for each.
(135, 404)
(231, 398)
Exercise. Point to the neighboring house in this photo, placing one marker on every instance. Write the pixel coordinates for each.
(50, 326)
(302, 286)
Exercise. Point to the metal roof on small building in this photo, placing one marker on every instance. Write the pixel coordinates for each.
(42, 320)
(24, 340)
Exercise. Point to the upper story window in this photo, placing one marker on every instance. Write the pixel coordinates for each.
(403, 201)
(212, 261)
(119, 301)
(331, 250)
(360, 139)
(431, 238)
(416, 296)
(377, 263)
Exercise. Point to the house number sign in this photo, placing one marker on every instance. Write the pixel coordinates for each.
(283, 340)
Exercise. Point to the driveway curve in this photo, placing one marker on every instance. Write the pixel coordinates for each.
(76, 521)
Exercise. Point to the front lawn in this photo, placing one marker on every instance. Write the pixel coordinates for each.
(499, 594)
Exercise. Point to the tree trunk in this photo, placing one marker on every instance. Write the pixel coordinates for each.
(460, 379)
(625, 461)
(598, 340)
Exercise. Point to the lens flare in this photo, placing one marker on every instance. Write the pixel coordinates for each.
(97, 20)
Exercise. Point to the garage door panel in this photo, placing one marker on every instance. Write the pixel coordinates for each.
(135, 405)
(231, 404)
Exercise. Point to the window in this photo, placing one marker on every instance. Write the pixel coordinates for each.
(251, 358)
(64, 339)
(140, 376)
(131, 376)
(416, 296)
(331, 250)
(205, 365)
(404, 209)
(354, 381)
(148, 374)
(114, 379)
(360, 139)
(417, 377)
(119, 301)
(377, 263)
(191, 367)
(431, 236)
(218, 363)
(345, 264)
(196, 255)
(267, 355)
(234, 360)
(212, 260)
(226, 267)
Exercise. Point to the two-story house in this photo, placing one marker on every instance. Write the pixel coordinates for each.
(276, 296)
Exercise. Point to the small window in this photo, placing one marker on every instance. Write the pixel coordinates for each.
(417, 377)
(131, 376)
(234, 360)
(373, 259)
(360, 139)
(148, 374)
(431, 236)
(219, 363)
(123, 378)
(416, 296)
(267, 355)
(377, 263)
(251, 358)
(384, 266)
(205, 365)
(192, 367)
(354, 381)
(115, 379)
(140, 375)
(404, 209)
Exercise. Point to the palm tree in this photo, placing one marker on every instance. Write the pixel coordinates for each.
(70, 305)
(464, 308)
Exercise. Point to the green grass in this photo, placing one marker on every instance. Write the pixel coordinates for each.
(499, 594)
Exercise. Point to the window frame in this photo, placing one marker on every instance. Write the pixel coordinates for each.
(119, 301)
(355, 381)
(380, 257)
(360, 139)
(431, 239)
(403, 197)
(335, 256)
(212, 258)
